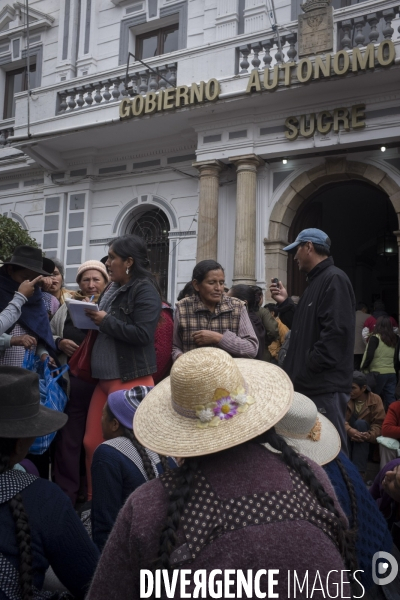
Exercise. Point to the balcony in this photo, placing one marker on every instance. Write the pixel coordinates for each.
(354, 26)
(138, 82)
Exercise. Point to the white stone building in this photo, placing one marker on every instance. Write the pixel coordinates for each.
(76, 175)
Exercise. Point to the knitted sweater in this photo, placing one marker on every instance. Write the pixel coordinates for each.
(372, 532)
(239, 472)
(58, 538)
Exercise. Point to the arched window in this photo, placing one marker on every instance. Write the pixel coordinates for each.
(153, 226)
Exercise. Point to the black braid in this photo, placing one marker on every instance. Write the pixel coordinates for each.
(24, 546)
(164, 462)
(352, 494)
(23, 533)
(346, 541)
(177, 502)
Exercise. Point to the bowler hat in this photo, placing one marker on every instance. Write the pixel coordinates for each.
(31, 258)
(21, 414)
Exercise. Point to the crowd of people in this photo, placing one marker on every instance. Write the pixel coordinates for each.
(218, 433)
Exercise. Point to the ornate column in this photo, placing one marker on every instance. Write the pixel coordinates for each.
(275, 263)
(207, 233)
(244, 270)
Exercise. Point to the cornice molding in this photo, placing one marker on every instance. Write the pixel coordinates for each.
(110, 158)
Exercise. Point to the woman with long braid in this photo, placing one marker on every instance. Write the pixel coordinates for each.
(37, 522)
(368, 532)
(120, 464)
(235, 503)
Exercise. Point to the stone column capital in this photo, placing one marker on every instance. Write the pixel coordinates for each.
(247, 162)
(208, 167)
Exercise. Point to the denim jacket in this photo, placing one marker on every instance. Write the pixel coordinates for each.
(132, 321)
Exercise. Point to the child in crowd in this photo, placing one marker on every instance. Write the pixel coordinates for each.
(275, 346)
(120, 464)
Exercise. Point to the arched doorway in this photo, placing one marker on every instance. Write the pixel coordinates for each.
(358, 217)
(153, 226)
(303, 189)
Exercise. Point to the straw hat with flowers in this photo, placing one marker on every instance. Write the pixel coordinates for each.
(211, 402)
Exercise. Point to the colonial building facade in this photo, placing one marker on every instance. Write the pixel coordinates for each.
(245, 123)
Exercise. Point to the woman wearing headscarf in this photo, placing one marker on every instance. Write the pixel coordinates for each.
(38, 525)
(92, 278)
(234, 504)
(211, 318)
(123, 354)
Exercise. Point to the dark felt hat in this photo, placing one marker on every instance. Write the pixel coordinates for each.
(21, 414)
(31, 258)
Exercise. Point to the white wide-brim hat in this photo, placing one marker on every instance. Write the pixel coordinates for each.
(308, 431)
(211, 402)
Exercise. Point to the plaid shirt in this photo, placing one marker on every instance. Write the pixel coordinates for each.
(230, 319)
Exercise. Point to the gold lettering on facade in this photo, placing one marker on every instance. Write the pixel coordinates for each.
(322, 67)
(254, 84)
(341, 115)
(169, 98)
(362, 62)
(324, 121)
(307, 129)
(286, 68)
(197, 92)
(304, 70)
(386, 53)
(150, 105)
(138, 105)
(358, 116)
(341, 62)
(125, 109)
(293, 131)
(274, 84)
(182, 96)
(212, 90)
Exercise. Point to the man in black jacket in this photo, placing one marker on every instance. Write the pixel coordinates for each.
(319, 360)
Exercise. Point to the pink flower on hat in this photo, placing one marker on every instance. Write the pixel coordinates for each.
(225, 408)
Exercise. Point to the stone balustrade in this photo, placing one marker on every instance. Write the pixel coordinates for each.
(370, 28)
(264, 54)
(352, 31)
(5, 137)
(113, 89)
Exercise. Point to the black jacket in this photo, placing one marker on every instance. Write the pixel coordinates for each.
(320, 355)
(132, 321)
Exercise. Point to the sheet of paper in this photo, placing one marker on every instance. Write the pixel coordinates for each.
(79, 317)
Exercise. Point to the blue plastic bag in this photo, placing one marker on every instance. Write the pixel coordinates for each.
(51, 394)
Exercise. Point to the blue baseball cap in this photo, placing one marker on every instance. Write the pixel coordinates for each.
(316, 236)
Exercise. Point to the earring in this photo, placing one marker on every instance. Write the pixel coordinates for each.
(127, 270)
